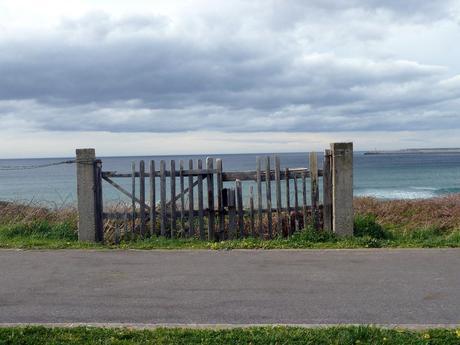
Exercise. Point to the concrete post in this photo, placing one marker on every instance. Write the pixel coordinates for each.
(342, 188)
(87, 194)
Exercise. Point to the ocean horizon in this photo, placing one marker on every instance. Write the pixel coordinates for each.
(393, 176)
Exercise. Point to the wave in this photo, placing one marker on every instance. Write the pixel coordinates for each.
(452, 190)
(407, 193)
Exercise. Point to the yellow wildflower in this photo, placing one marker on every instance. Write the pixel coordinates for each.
(458, 332)
(426, 336)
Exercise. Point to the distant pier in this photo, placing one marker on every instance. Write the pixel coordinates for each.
(415, 151)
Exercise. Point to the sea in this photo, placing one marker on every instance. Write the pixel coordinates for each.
(383, 176)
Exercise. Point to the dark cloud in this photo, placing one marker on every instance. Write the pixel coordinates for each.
(143, 73)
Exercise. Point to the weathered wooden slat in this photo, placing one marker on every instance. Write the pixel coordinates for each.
(251, 211)
(125, 221)
(259, 197)
(172, 184)
(178, 196)
(327, 192)
(247, 212)
(187, 172)
(133, 197)
(278, 193)
(220, 201)
(296, 195)
(200, 201)
(182, 195)
(231, 214)
(210, 187)
(226, 176)
(239, 205)
(142, 197)
(304, 199)
(152, 196)
(117, 233)
(99, 205)
(191, 228)
(288, 200)
(121, 189)
(252, 175)
(296, 204)
(314, 188)
(163, 198)
(113, 215)
(268, 195)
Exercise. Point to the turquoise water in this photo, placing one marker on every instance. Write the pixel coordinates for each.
(393, 176)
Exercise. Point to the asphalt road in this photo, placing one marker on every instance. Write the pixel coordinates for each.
(231, 287)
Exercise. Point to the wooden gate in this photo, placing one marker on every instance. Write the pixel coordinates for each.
(196, 200)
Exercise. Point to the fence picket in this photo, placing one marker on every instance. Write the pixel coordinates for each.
(220, 201)
(117, 234)
(191, 227)
(125, 221)
(259, 196)
(269, 196)
(304, 198)
(278, 194)
(251, 211)
(327, 192)
(231, 213)
(152, 198)
(163, 197)
(142, 196)
(296, 204)
(239, 204)
(172, 184)
(200, 200)
(99, 204)
(133, 198)
(288, 201)
(210, 187)
(314, 189)
(182, 195)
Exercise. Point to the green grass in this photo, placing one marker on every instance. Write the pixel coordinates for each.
(368, 234)
(257, 335)
(40, 234)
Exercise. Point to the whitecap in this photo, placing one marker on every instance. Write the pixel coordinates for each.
(398, 193)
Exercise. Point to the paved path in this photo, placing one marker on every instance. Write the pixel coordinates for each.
(231, 287)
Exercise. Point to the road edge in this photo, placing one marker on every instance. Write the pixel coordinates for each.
(141, 326)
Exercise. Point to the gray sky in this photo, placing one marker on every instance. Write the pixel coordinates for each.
(165, 77)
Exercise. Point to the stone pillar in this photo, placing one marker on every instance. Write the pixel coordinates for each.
(342, 188)
(87, 194)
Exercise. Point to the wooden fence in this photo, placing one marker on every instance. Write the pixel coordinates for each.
(199, 199)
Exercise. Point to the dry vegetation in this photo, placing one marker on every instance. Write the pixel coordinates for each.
(14, 213)
(438, 213)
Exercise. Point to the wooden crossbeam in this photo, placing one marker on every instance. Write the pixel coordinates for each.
(124, 191)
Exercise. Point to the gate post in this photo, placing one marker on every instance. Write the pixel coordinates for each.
(342, 188)
(327, 191)
(89, 195)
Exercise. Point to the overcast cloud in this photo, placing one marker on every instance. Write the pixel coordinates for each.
(287, 67)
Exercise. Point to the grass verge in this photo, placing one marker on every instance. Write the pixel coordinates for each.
(430, 223)
(62, 235)
(257, 335)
